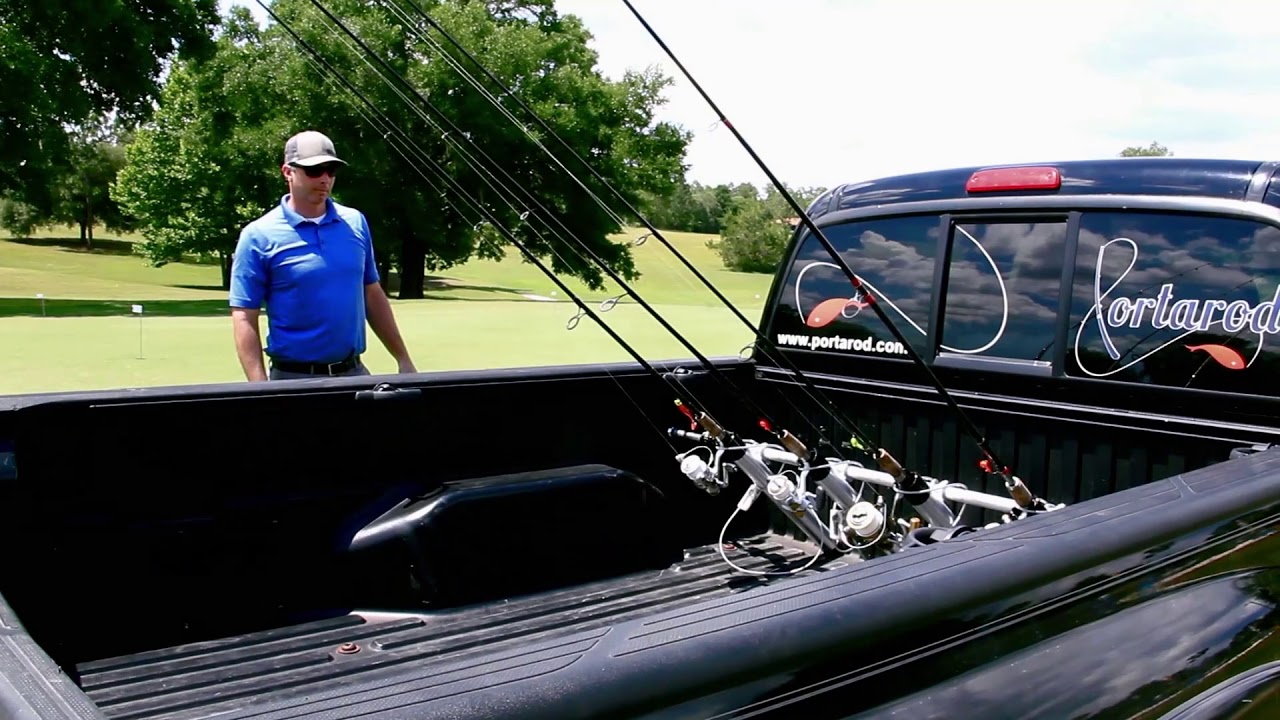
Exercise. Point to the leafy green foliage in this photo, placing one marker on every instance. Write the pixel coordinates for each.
(63, 62)
(694, 207)
(757, 230)
(20, 219)
(189, 178)
(1155, 149)
(82, 190)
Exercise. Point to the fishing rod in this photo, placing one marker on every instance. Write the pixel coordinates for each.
(775, 353)
(766, 423)
(991, 462)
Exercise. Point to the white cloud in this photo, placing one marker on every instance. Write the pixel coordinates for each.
(831, 92)
(834, 91)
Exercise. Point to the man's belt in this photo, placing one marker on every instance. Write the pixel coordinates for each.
(334, 368)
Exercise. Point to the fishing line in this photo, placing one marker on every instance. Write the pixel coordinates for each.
(403, 16)
(766, 422)
(679, 391)
(473, 201)
(776, 355)
(574, 321)
(992, 462)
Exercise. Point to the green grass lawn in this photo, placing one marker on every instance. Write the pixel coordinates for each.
(663, 277)
(83, 336)
(45, 354)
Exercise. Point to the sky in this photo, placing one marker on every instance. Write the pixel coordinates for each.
(835, 91)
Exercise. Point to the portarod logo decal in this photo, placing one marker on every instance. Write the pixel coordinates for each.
(829, 310)
(1165, 312)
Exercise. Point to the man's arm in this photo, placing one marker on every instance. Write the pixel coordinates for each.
(248, 290)
(383, 322)
(244, 323)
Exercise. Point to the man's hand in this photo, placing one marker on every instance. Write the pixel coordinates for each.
(405, 367)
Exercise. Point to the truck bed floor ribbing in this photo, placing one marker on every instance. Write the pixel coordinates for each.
(188, 681)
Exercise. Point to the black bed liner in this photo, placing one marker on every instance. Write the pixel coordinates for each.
(609, 650)
(198, 679)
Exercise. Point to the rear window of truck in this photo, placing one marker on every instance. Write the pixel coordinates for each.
(1171, 299)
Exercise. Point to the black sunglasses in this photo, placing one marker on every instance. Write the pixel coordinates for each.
(316, 171)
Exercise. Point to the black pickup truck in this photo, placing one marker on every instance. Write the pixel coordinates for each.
(569, 542)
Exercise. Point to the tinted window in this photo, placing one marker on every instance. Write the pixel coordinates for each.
(1003, 288)
(820, 309)
(1177, 300)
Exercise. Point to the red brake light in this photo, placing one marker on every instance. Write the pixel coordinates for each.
(1015, 178)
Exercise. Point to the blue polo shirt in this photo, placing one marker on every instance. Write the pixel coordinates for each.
(310, 276)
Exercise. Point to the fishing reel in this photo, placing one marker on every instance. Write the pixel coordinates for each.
(709, 475)
(841, 505)
(818, 500)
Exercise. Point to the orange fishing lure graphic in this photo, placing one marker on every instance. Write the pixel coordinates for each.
(1226, 357)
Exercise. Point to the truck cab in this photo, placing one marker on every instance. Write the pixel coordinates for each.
(1134, 284)
(1125, 294)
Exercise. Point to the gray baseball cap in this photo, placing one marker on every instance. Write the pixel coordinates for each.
(310, 148)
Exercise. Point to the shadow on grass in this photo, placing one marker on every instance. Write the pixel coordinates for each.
(438, 284)
(102, 246)
(56, 307)
(472, 298)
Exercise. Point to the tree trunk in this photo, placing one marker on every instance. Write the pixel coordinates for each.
(413, 258)
(224, 261)
(384, 274)
(88, 222)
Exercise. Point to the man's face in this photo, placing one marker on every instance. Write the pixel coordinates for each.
(311, 184)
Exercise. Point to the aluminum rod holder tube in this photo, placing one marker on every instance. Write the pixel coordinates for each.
(782, 492)
(965, 496)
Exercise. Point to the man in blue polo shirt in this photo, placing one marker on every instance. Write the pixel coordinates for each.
(310, 262)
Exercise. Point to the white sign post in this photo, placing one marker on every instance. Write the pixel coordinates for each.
(40, 297)
(137, 310)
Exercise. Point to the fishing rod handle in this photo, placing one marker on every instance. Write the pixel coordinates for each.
(689, 435)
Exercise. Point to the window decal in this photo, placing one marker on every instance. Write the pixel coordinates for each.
(1167, 311)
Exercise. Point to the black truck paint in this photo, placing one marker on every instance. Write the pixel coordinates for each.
(521, 543)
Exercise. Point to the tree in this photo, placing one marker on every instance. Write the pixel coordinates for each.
(756, 230)
(232, 114)
(207, 163)
(19, 218)
(63, 62)
(82, 193)
(1155, 149)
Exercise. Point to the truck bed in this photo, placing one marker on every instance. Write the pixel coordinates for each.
(201, 679)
